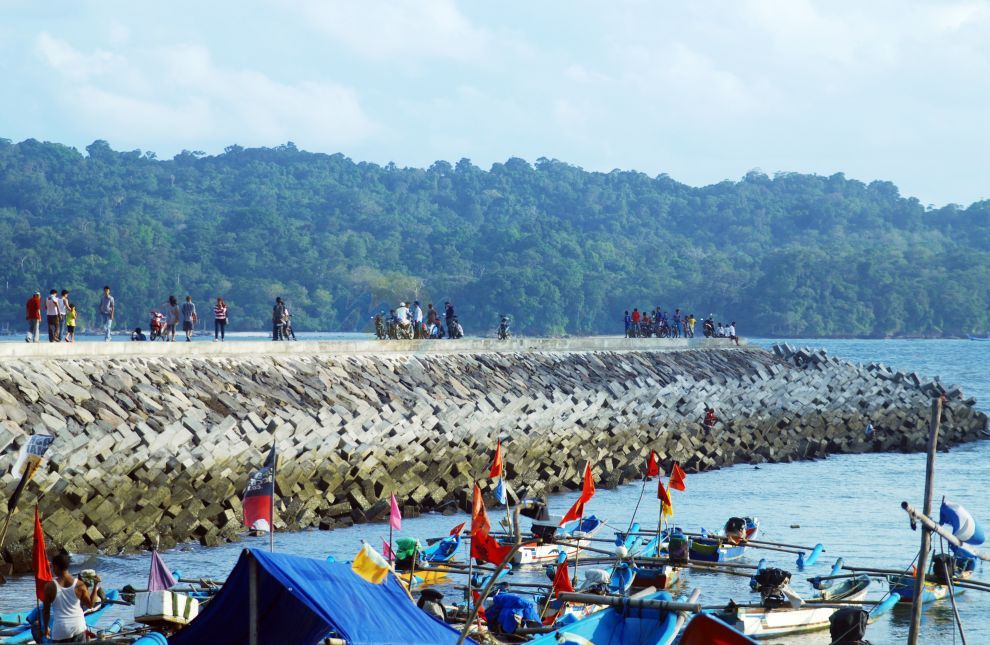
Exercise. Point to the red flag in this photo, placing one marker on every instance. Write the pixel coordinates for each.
(561, 580)
(258, 495)
(666, 506)
(497, 466)
(483, 546)
(587, 492)
(652, 467)
(39, 559)
(457, 529)
(677, 477)
(387, 551)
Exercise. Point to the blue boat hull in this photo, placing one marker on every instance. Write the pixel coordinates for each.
(614, 626)
(23, 633)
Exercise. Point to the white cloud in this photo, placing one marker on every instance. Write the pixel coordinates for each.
(398, 30)
(180, 93)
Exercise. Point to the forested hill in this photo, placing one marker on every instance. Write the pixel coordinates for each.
(558, 248)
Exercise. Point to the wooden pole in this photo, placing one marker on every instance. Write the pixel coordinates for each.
(271, 529)
(252, 600)
(926, 536)
(935, 528)
(3, 531)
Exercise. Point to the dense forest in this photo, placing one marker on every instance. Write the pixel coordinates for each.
(560, 249)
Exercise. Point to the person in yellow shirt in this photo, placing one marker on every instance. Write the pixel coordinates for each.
(70, 323)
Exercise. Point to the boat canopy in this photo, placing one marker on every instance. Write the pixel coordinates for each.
(301, 600)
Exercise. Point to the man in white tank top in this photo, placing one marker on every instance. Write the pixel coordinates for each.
(65, 599)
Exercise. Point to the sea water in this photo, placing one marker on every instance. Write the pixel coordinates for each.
(850, 503)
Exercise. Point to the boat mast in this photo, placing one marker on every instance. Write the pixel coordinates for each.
(926, 536)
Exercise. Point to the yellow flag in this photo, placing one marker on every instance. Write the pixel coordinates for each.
(370, 565)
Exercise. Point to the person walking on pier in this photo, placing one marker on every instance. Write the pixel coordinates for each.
(627, 320)
(448, 313)
(219, 320)
(636, 317)
(63, 309)
(108, 308)
(33, 318)
(279, 314)
(51, 313)
(70, 323)
(188, 317)
(730, 332)
(174, 316)
(417, 318)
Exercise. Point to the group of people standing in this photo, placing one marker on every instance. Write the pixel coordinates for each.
(658, 323)
(408, 322)
(59, 313)
(166, 318)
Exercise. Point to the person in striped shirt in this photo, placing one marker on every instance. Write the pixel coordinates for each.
(219, 320)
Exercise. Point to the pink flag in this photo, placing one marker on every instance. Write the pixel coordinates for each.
(394, 516)
(387, 551)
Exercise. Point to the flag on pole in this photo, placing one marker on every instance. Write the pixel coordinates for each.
(498, 467)
(370, 565)
(39, 559)
(394, 515)
(587, 492)
(483, 546)
(28, 460)
(677, 476)
(159, 578)
(500, 491)
(561, 580)
(457, 529)
(387, 550)
(964, 526)
(653, 466)
(259, 495)
(666, 505)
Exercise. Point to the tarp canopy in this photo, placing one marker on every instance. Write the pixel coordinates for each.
(301, 600)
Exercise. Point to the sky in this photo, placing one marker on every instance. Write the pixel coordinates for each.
(896, 90)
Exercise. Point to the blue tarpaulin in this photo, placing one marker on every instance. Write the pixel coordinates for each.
(303, 601)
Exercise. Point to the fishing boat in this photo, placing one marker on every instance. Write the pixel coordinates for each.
(567, 539)
(937, 581)
(632, 622)
(783, 612)
(987, 337)
(442, 550)
(705, 629)
(28, 621)
(731, 545)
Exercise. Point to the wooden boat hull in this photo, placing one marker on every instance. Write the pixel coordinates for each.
(904, 585)
(537, 554)
(771, 623)
(659, 577)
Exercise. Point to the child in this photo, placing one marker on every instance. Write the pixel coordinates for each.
(70, 324)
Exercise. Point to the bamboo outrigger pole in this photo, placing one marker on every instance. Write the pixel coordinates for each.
(926, 534)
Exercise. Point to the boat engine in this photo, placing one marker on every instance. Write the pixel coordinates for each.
(771, 583)
(430, 601)
(848, 626)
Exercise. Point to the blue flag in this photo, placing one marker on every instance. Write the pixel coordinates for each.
(500, 491)
(964, 527)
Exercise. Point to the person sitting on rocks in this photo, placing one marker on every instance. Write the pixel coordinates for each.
(710, 418)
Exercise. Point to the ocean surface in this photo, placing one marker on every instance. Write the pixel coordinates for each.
(850, 503)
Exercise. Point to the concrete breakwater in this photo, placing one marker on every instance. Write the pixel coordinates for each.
(156, 442)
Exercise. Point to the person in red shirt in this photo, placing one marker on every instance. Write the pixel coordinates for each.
(636, 317)
(33, 318)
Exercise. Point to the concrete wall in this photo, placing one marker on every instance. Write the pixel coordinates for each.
(157, 441)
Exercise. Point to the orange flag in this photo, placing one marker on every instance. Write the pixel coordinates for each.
(677, 477)
(666, 506)
(576, 512)
(483, 546)
(497, 466)
(39, 558)
(652, 466)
